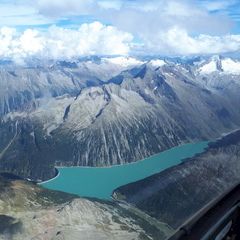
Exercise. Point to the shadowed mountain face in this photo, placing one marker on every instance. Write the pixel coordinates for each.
(178, 193)
(97, 113)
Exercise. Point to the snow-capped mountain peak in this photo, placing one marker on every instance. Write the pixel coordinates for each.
(218, 64)
(123, 61)
(157, 63)
(211, 65)
(208, 68)
(230, 66)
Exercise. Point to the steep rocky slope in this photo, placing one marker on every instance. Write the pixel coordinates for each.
(176, 194)
(30, 212)
(22, 85)
(146, 108)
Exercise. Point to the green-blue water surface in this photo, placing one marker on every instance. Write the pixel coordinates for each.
(100, 182)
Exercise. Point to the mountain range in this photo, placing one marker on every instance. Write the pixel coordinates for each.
(107, 111)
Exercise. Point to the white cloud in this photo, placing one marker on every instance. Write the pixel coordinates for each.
(62, 7)
(178, 41)
(217, 5)
(15, 14)
(99, 39)
(160, 27)
(181, 9)
(30, 42)
(159, 23)
(106, 4)
(138, 15)
(89, 39)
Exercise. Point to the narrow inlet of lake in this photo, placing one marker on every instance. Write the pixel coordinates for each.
(101, 182)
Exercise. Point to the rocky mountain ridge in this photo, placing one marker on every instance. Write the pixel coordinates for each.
(51, 115)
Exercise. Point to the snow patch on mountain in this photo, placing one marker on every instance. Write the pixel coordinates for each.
(208, 68)
(124, 61)
(226, 66)
(157, 63)
(230, 66)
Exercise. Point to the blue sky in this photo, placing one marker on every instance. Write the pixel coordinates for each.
(167, 27)
(20, 13)
(230, 8)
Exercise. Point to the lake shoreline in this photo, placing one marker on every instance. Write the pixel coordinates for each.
(114, 166)
(57, 174)
(137, 161)
(143, 159)
(99, 182)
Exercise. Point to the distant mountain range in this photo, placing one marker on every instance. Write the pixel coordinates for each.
(105, 111)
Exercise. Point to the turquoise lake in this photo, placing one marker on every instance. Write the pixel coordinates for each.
(100, 182)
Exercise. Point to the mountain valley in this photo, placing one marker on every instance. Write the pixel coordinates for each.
(134, 111)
